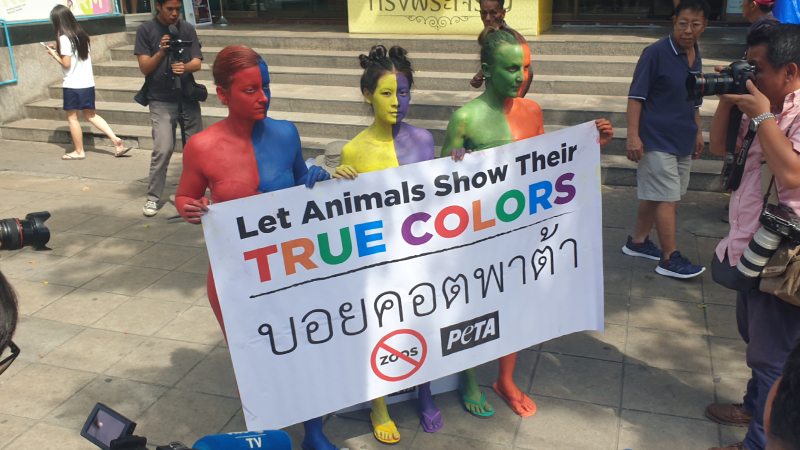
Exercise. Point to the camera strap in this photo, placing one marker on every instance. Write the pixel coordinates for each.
(733, 165)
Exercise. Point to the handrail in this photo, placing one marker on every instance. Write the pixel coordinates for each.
(10, 54)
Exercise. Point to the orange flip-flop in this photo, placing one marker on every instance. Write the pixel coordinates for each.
(514, 403)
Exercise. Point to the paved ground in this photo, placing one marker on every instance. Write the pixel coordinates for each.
(117, 313)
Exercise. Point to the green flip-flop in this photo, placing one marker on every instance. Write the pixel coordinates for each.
(466, 400)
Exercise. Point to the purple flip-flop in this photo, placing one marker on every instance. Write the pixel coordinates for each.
(430, 421)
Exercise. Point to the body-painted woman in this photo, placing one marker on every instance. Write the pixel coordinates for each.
(495, 118)
(389, 142)
(245, 154)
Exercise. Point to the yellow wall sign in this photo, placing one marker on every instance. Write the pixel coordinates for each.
(443, 16)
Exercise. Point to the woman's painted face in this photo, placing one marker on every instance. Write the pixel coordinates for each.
(507, 73)
(246, 98)
(391, 98)
(403, 96)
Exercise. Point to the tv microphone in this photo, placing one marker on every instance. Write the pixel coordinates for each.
(247, 440)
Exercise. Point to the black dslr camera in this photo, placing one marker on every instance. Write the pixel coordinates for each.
(732, 80)
(27, 232)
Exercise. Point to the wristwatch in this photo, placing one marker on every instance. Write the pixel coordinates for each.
(757, 121)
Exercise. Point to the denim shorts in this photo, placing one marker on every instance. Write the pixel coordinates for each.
(75, 99)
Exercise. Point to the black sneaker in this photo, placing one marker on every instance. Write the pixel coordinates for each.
(678, 266)
(646, 249)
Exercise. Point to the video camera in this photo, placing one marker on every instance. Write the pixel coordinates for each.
(175, 46)
(732, 80)
(27, 232)
(110, 430)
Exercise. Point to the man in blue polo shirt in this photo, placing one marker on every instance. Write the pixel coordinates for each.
(664, 136)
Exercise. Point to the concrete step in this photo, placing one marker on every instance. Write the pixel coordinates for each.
(140, 137)
(547, 44)
(122, 88)
(346, 103)
(617, 170)
(543, 64)
(56, 129)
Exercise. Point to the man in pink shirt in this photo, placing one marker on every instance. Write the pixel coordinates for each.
(768, 325)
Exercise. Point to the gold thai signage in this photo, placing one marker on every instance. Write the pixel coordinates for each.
(443, 16)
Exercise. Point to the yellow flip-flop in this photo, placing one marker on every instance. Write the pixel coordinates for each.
(389, 428)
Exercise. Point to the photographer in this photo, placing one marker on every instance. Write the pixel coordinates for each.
(769, 325)
(152, 44)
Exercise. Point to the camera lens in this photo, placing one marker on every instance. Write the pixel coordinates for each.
(695, 85)
(758, 252)
(702, 85)
(28, 232)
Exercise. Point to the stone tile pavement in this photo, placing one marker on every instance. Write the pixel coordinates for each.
(117, 313)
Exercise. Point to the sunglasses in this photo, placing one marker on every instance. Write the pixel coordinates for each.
(10, 359)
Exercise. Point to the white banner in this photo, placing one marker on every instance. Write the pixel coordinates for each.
(352, 290)
(25, 10)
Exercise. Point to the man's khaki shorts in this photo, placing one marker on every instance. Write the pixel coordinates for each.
(663, 177)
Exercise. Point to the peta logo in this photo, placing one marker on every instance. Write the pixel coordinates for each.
(470, 333)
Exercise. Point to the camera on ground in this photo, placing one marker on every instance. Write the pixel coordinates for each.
(27, 232)
(732, 80)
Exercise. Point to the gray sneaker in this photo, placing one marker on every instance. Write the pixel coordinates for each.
(150, 208)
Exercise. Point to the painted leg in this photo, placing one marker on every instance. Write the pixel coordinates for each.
(315, 439)
(431, 416)
(506, 388)
(383, 427)
(102, 125)
(471, 394)
(77, 136)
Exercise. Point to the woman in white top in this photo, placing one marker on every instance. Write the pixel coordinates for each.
(72, 52)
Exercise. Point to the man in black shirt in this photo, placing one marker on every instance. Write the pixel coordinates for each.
(152, 38)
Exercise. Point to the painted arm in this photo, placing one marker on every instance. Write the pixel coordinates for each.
(302, 174)
(455, 137)
(189, 199)
(606, 131)
(635, 146)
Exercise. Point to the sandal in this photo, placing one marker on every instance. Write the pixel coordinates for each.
(71, 157)
(514, 403)
(466, 400)
(388, 427)
(430, 421)
(119, 153)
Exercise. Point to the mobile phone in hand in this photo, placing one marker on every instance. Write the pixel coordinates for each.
(45, 45)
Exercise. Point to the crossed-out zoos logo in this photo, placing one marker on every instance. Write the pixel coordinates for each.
(470, 333)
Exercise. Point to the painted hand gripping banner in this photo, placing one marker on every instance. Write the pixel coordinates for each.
(355, 289)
